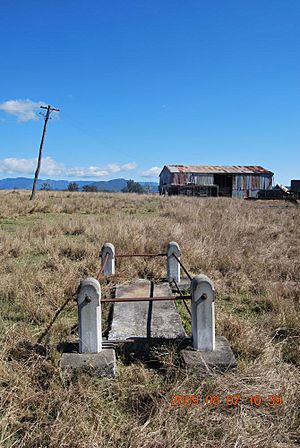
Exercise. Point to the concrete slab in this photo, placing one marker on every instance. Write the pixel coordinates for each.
(102, 363)
(145, 320)
(221, 359)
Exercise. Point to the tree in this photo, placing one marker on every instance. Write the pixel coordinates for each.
(90, 188)
(73, 186)
(148, 189)
(133, 187)
(46, 186)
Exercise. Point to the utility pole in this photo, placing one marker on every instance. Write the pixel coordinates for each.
(47, 116)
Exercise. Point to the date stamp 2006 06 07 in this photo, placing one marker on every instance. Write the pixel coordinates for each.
(228, 400)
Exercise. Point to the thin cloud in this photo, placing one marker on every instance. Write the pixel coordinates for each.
(129, 166)
(51, 167)
(151, 172)
(23, 110)
(27, 166)
(94, 171)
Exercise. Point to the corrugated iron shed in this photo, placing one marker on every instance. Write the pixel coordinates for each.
(295, 185)
(218, 169)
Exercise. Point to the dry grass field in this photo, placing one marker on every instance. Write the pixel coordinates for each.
(251, 251)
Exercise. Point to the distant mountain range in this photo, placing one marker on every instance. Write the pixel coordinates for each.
(23, 183)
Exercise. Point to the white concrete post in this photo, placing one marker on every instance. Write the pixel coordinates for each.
(173, 267)
(203, 313)
(89, 316)
(108, 250)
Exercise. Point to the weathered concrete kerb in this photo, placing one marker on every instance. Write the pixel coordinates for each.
(92, 354)
(108, 256)
(209, 352)
(89, 316)
(144, 315)
(173, 267)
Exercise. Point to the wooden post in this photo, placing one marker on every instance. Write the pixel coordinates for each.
(37, 172)
(89, 316)
(203, 313)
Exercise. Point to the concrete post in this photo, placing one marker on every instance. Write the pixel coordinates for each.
(89, 316)
(173, 267)
(108, 250)
(203, 313)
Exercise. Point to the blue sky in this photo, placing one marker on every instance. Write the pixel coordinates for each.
(141, 84)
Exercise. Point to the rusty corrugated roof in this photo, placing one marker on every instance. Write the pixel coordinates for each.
(218, 169)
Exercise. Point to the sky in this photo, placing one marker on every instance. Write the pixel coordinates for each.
(142, 84)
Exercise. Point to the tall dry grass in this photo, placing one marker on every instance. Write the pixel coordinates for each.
(252, 253)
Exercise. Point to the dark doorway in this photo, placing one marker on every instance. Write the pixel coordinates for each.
(224, 181)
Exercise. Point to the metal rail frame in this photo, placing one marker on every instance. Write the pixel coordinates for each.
(151, 298)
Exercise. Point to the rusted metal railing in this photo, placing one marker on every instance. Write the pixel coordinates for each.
(143, 299)
(156, 255)
(139, 255)
(183, 268)
(183, 297)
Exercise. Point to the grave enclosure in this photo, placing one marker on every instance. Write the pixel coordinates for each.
(144, 315)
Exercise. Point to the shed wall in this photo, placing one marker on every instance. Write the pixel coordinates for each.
(243, 185)
(295, 186)
(165, 178)
(192, 178)
(248, 185)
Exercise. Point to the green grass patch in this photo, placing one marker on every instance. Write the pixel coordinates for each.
(185, 317)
